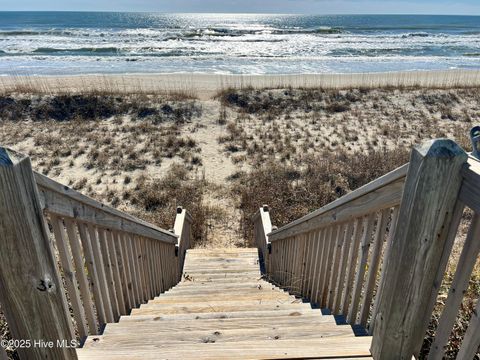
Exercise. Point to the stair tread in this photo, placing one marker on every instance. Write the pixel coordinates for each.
(328, 347)
(209, 308)
(220, 335)
(175, 324)
(205, 300)
(224, 308)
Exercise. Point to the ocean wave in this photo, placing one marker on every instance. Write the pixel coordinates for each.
(224, 32)
(83, 50)
(476, 54)
(416, 34)
(35, 32)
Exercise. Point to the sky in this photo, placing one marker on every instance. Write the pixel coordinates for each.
(447, 7)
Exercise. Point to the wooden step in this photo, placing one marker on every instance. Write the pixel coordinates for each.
(238, 281)
(284, 332)
(222, 315)
(322, 348)
(273, 295)
(223, 308)
(207, 288)
(174, 324)
(220, 306)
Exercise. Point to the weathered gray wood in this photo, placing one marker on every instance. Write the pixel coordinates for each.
(326, 234)
(128, 239)
(373, 266)
(149, 253)
(107, 263)
(100, 267)
(328, 264)
(334, 273)
(31, 291)
(315, 276)
(82, 278)
(340, 287)
(92, 272)
(459, 286)
(69, 275)
(431, 190)
(471, 340)
(309, 260)
(361, 268)
(352, 262)
(383, 192)
(117, 278)
(125, 271)
(262, 226)
(139, 269)
(470, 191)
(386, 255)
(64, 201)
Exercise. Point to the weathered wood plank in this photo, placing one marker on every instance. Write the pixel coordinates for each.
(471, 340)
(383, 192)
(285, 332)
(111, 239)
(361, 268)
(328, 264)
(69, 275)
(107, 266)
(340, 287)
(373, 265)
(391, 234)
(269, 349)
(82, 278)
(100, 267)
(173, 324)
(334, 273)
(31, 290)
(431, 190)
(459, 286)
(124, 271)
(64, 201)
(352, 263)
(92, 272)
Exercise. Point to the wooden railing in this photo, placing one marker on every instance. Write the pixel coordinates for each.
(378, 255)
(55, 239)
(182, 228)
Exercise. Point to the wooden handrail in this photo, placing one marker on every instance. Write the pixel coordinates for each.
(61, 200)
(378, 255)
(382, 192)
(30, 285)
(111, 262)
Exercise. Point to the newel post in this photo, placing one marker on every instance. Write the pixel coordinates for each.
(31, 290)
(404, 308)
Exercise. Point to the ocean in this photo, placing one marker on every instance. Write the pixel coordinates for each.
(70, 43)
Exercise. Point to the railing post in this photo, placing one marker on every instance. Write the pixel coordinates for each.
(31, 291)
(404, 308)
(182, 228)
(262, 227)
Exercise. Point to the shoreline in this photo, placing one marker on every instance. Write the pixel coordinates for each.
(205, 86)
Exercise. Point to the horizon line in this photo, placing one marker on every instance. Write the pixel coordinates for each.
(238, 13)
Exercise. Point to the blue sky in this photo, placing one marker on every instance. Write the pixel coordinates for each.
(468, 7)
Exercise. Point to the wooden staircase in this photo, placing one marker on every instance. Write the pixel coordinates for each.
(223, 309)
